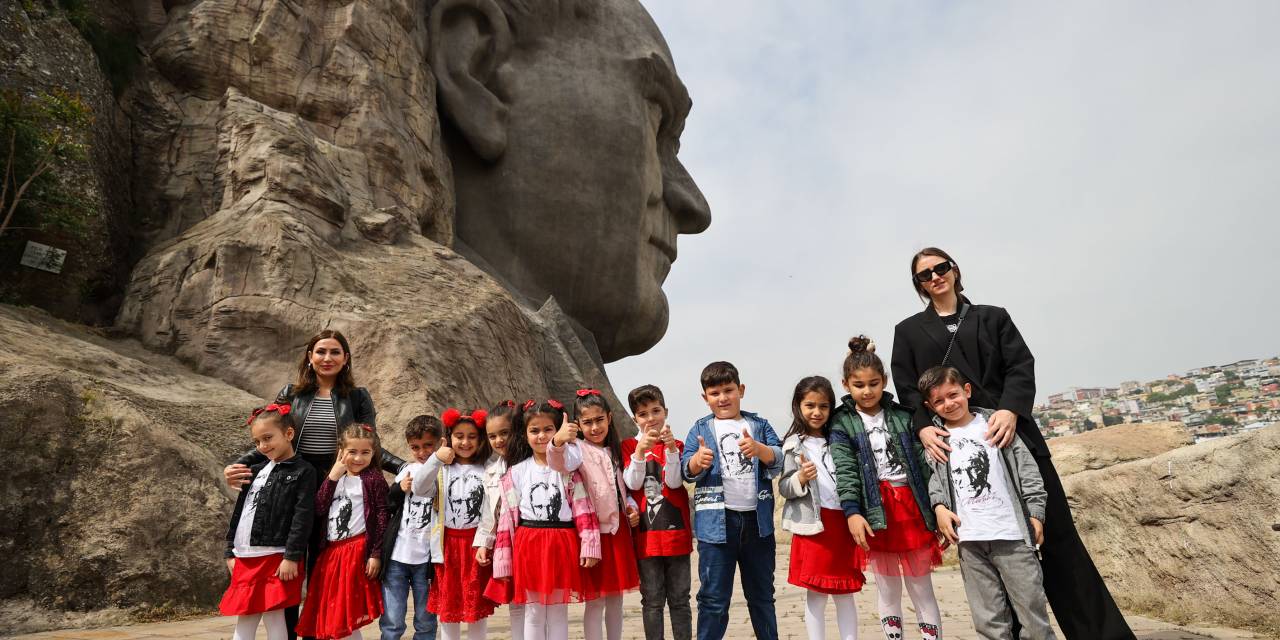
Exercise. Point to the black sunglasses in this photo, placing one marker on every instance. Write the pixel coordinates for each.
(942, 269)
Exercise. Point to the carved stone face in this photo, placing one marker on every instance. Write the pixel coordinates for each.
(575, 190)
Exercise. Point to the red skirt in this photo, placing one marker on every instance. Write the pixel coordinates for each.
(823, 562)
(545, 567)
(906, 546)
(255, 588)
(500, 590)
(340, 599)
(457, 592)
(617, 572)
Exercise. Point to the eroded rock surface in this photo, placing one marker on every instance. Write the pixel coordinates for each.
(1109, 446)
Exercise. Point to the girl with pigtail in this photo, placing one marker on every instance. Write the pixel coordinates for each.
(455, 477)
(883, 481)
(548, 534)
(599, 449)
(504, 422)
(824, 559)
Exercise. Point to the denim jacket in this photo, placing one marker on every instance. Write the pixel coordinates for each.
(708, 492)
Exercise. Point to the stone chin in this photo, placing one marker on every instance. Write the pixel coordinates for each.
(620, 337)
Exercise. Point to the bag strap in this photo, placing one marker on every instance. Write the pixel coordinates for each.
(964, 309)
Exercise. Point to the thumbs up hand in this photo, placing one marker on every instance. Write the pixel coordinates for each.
(808, 470)
(668, 438)
(567, 433)
(701, 459)
(647, 440)
(747, 444)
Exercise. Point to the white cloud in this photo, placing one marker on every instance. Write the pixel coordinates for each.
(1106, 171)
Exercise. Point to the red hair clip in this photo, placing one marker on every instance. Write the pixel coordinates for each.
(451, 417)
(528, 404)
(582, 393)
(479, 416)
(555, 403)
(282, 409)
(367, 428)
(509, 403)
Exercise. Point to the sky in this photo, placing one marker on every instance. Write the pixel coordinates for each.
(1109, 172)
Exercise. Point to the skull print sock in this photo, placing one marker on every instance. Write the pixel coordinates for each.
(930, 632)
(892, 626)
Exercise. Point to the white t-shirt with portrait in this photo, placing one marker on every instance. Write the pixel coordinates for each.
(241, 546)
(889, 465)
(737, 471)
(413, 540)
(817, 452)
(543, 496)
(346, 512)
(464, 495)
(986, 509)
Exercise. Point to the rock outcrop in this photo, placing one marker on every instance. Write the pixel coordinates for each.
(1191, 534)
(1109, 446)
(112, 494)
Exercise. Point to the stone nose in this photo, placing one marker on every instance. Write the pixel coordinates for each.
(684, 199)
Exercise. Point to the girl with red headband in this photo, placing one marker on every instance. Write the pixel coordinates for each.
(344, 593)
(270, 526)
(547, 532)
(600, 450)
(456, 475)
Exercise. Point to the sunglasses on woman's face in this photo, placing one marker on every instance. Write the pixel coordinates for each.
(941, 269)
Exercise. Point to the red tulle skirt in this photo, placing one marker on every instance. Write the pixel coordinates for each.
(546, 568)
(906, 546)
(255, 588)
(617, 572)
(340, 599)
(457, 592)
(828, 562)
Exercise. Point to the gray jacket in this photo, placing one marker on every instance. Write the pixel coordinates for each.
(1022, 479)
(801, 514)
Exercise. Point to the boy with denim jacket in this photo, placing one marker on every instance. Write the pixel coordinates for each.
(990, 503)
(732, 456)
(407, 552)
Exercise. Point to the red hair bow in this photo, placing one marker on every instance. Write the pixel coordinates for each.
(529, 404)
(509, 403)
(582, 393)
(367, 428)
(282, 409)
(451, 417)
(555, 403)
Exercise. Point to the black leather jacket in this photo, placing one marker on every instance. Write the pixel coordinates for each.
(356, 407)
(286, 509)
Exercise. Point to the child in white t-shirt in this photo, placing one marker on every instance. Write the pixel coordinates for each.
(407, 552)
(990, 502)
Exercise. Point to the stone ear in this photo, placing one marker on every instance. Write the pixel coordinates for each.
(469, 40)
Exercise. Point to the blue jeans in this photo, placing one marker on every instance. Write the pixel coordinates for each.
(745, 548)
(396, 582)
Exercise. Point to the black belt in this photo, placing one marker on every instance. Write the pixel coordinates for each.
(546, 524)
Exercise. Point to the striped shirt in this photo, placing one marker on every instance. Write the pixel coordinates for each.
(320, 431)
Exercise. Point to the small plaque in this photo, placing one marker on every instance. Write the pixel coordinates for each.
(43, 257)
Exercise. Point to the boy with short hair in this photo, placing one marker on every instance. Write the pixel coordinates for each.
(990, 503)
(663, 538)
(407, 552)
(732, 456)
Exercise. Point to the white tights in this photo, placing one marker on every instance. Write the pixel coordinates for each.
(546, 621)
(475, 630)
(815, 615)
(610, 609)
(247, 626)
(919, 588)
(517, 621)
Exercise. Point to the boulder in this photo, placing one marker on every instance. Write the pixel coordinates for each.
(1110, 446)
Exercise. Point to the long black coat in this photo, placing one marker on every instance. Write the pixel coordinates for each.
(989, 351)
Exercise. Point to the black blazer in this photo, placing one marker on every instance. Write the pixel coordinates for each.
(286, 509)
(354, 407)
(989, 351)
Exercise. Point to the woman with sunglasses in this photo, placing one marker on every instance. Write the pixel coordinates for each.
(983, 343)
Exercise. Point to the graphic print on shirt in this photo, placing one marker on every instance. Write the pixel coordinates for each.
(732, 463)
(466, 499)
(255, 496)
(545, 501)
(887, 455)
(417, 513)
(971, 474)
(341, 523)
(658, 514)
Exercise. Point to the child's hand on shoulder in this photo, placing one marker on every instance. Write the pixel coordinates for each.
(445, 455)
(371, 568)
(339, 467)
(860, 529)
(288, 570)
(947, 523)
(1037, 530)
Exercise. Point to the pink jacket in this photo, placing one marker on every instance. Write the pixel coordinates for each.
(604, 479)
(584, 518)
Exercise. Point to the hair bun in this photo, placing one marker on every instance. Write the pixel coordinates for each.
(861, 343)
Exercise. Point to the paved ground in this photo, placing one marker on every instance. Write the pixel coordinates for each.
(790, 606)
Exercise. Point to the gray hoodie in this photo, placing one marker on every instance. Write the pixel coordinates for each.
(1022, 479)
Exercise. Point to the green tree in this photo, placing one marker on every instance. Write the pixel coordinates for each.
(1223, 391)
(1108, 421)
(41, 133)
